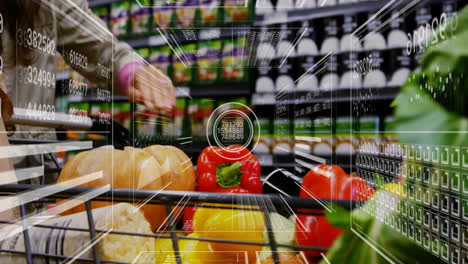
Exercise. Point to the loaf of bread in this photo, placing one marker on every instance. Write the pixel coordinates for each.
(153, 168)
(70, 244)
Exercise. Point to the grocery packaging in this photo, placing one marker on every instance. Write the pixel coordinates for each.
(141, 18)
(208, 61)
(323, 131)
(120, 18)
(346, 141)
(329, 78)
(187, 13)
(399, 56)
(160, 57)
(210, 12)
(206, 107)
(163, 14)
(264, 135)
(307, 56)
(374, 45)
(326, 182)
(238, 11)
(145, 120)
(303, 135)
(68, 243)
(103, 13)
(178, 114)
(286, 59)
(265, 64)
(143, 52)
(154, 168)
(234, 61)
(282, 130)
(122, 113)
(183, 63)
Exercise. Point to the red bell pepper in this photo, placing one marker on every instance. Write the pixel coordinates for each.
(220, 169)
(225, 170)
(326, 182)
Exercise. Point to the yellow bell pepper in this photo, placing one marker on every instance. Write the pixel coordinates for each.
(231, 224)
(191, 251)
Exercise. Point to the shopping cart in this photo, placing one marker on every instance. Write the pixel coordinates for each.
(169, 199)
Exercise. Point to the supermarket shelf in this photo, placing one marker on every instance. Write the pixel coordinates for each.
(214, 90)
(78, 99)
(339, 96)
(320, 12)
(176, 36)
(94, 3)
(328, 11)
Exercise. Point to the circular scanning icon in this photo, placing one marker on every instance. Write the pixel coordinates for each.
(232, 124)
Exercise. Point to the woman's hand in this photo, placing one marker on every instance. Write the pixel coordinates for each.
(151, 87)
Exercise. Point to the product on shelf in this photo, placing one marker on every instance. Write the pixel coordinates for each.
(141, 18)
(369, 137)
(350, 49)
(196, 118)
(303, 135)
(178, 118)
(120, 217)
(163, 14)
(238, 11)
(208, 61)
(307, 55)
(282, 131)
(264, 135)
(210, 12)
(186, 13)
(329, 78)
(120, 18)
(285, 5)
(160, 57)
(399, 58)
(265, 62)
(374, 44)
(423, 18)
(235, 59)
(263, 7)
(323, 131)
(144, 53)
(122, 113)
(152, 168)
(61, 65)
(145, 120)
(206, 108)
(103, 13)
(286, 53)
(183, 63)
(346, 141)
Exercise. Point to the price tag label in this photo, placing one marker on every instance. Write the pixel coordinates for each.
(183, 91)
(206, 34)
(156, 40)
